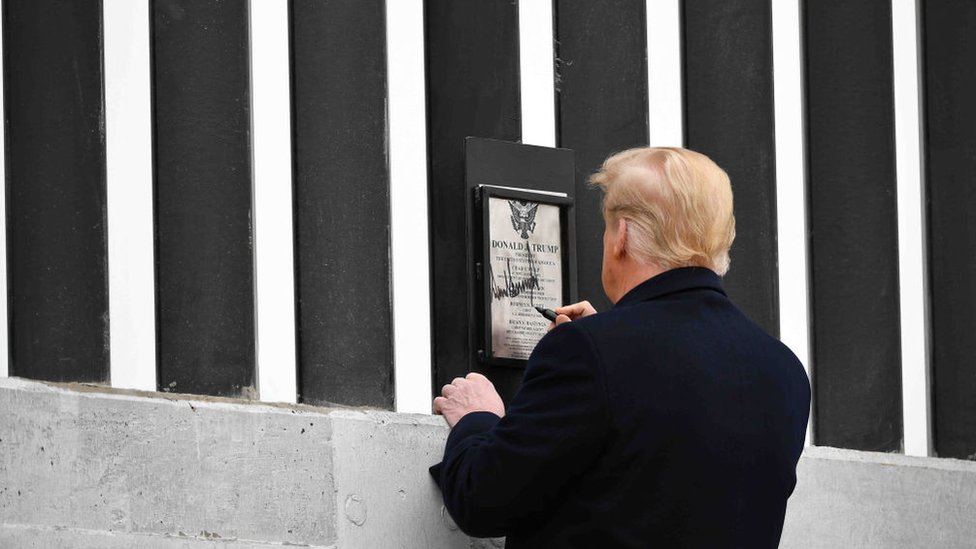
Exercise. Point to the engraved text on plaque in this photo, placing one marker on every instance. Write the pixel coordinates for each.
(524, 270)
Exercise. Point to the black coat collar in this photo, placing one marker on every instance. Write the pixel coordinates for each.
(669, 282)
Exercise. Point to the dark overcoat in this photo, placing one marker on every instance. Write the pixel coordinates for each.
(671, 420)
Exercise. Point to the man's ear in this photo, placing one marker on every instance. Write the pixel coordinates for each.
(620, 239)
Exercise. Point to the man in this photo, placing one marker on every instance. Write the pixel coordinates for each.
(669, 421)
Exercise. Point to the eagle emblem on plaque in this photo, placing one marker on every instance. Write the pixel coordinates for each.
(523, 216)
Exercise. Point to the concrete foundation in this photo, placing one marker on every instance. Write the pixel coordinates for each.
(88, 467)
(845, 498)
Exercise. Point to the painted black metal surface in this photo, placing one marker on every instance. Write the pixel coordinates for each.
(56, 224)
(601, 85)
(728, 90)
(853, 224)
(505, 164)
(472, 90)
(203, 188)
(342, 202)
(949, 54)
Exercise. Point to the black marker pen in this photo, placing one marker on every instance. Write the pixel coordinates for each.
(548, 313)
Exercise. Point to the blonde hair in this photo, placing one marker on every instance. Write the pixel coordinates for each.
(677, 205)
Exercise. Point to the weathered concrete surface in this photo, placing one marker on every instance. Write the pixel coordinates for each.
(33, 537)
(102, 469)
(94, 468)
(385, 495)
(158, 466)
(846, 498)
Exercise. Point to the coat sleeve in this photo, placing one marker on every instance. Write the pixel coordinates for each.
(496, 472)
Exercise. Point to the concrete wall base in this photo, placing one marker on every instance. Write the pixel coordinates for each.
(86, 467)
(846, 498)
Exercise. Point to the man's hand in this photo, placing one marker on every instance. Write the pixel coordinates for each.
(569, 313)
(472, 393)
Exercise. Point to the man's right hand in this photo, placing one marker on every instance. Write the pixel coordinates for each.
(569, 313)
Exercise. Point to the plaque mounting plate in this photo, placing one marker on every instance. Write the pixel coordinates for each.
(506, 171)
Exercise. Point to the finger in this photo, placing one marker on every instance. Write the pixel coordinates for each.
(448, 390)
(551, 326)
(480, 382)
(457, 381)
(574, 306)
(562, 319)
(576, 310)
(566, 309)
(438, 405)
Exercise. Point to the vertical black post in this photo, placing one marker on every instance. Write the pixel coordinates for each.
(342, 202)
(203, 188)
(56, 233)
(728, 63)
(472, 90)
(853, 224)
(949, 49)
(601, 84)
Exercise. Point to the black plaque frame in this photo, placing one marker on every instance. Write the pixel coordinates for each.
(567, 236)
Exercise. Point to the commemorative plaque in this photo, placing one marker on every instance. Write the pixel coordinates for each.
(520, 253)
(524, 265)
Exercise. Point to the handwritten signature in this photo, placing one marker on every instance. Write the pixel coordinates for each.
(515, 286)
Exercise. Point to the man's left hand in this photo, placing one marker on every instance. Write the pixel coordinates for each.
(472, 393)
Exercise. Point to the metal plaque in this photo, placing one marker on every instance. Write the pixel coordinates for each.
(524, 264)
